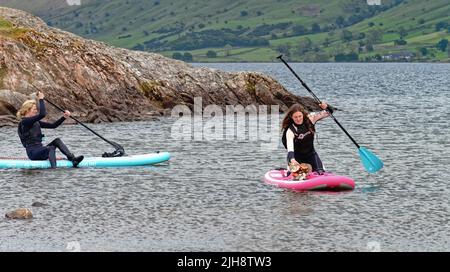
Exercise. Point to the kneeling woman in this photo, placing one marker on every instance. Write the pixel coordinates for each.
(298, 136)
(31, 136)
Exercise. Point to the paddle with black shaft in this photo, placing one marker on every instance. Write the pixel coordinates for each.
(371, 162)
(119, 152)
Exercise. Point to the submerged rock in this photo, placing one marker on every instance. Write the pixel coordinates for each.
(101, 83)
(22, 213)
(38, 204)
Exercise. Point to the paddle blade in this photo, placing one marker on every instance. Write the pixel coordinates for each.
(119, 152)
(371, 162)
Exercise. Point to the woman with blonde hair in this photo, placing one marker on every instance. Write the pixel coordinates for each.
(298, 135)
(30, 134)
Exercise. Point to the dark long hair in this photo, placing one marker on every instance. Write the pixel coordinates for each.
(287, 120)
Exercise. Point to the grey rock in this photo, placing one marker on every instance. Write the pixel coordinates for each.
(38, 204)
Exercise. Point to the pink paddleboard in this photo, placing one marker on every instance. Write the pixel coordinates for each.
(313, 182)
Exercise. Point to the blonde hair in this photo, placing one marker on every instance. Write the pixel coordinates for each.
(26, 107)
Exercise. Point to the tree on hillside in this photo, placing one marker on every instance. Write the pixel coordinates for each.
(184, 57)
(211, 54)
(299, 30)
(403, 33)
(423, 51)
(303, 46)
(351, 57)
(321, 57)
(139, 47)
(361, 46)
(177, 56)
(308, 57)
(337, 49)
(315, 28)
(374, 36)
(400, 42)
(441, 25)
(227, 48)
(353, 46)
(340, 21)
(284, 49)
(329, 28)
(188, 56)
(346, 35)
(442, 45)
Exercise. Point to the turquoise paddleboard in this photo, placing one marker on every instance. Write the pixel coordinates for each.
(125, 161)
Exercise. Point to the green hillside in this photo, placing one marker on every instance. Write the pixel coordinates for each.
(259, 30)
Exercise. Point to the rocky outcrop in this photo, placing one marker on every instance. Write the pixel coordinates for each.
(9, 103)
(100, 83)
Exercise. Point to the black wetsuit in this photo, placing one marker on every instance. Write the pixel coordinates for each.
(31, 137)
(304, 151)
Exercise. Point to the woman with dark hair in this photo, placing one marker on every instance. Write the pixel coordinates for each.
(298, 135)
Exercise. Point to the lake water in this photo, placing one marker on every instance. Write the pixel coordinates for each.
(211, 195)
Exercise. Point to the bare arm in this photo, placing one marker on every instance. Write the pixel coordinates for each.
(316, 116)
